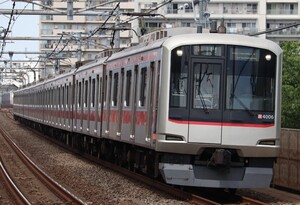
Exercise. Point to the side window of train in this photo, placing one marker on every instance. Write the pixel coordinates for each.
(70, 94)
(109, 88)
(105, 90)
(67, 95)
(57, 98)
(128, 88)
(86, 89)
(115, 89)
(51, 97)
(64, 95)
(79, 94)
(143, 87)
(99, 90)
(93, 92)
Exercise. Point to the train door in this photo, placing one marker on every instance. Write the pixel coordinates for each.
(84, 119)
(114, 102)
(195, 96)
(60, 105)
(90, 103)
(127, 104)
(47, 113)
(67, 105)
(205, 114)
(107, 100)
(134, 103)
(92, 106)
(120, 104)
(79, 105)
(100, 103)
(55, 101)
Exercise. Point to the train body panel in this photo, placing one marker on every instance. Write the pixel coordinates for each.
(57, 101)
(203, 109)
(88, 99)
(130, 110)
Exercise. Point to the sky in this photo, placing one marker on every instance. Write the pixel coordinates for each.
(22, 26)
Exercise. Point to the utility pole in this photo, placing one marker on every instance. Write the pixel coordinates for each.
(79, 48)
(117, 31)
(203, 14)
(5, 63)
(10, 53)
(70, 9)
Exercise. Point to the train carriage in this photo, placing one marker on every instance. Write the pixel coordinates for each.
(219, 108)
(133, 77)
(58, 101)
(88, 99)
(6, 100)
(18, 104)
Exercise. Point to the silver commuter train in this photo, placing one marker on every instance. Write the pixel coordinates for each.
(7, 100)
(196, 109)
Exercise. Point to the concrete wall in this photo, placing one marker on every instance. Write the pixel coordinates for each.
(287, 168)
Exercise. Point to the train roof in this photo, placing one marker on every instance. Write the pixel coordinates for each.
(95, 63)
(183, 36)
(222, 39)
(152, 41)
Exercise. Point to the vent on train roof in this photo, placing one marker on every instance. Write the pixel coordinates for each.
(106, 53)
(159, 34)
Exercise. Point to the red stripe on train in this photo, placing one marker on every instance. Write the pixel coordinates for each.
(226, 124)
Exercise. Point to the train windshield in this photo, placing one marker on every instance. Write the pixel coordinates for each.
(250, 79)
(217, 82)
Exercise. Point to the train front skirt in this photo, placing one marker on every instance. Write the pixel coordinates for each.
(202, 176)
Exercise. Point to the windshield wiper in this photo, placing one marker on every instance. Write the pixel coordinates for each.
(233, 96)
(204, 107)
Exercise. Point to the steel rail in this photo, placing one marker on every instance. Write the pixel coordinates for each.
(55, 187)
(12, 187)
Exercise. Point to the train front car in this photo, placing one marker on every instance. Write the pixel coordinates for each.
(219, 110)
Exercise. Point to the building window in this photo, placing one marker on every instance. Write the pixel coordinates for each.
(172, 8)
(282, 8)
(252, 8)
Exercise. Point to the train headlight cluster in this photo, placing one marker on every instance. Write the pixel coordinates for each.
(179, 52)
(268, 57)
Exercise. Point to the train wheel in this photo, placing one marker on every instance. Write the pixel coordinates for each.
(130, 160)
(150, 159)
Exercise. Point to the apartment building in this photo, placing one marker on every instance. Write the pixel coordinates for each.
(240, 16)
(86, 35)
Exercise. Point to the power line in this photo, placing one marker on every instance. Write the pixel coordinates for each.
(8, 26)
(100, 27)
(56, 46)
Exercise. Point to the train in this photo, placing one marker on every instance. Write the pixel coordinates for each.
(7, 100)
(192, 109)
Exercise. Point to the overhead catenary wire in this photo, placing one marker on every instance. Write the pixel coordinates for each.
(111, 13)
(134, 16)
(92, 34)
(19, 14)
(56, 46)
(106, 20)
(8, 27)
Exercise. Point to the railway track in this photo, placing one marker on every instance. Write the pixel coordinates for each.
(157, 185)
(171, 190)
(12, 188)
(63, 194)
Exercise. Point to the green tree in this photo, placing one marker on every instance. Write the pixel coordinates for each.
(291, 84)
